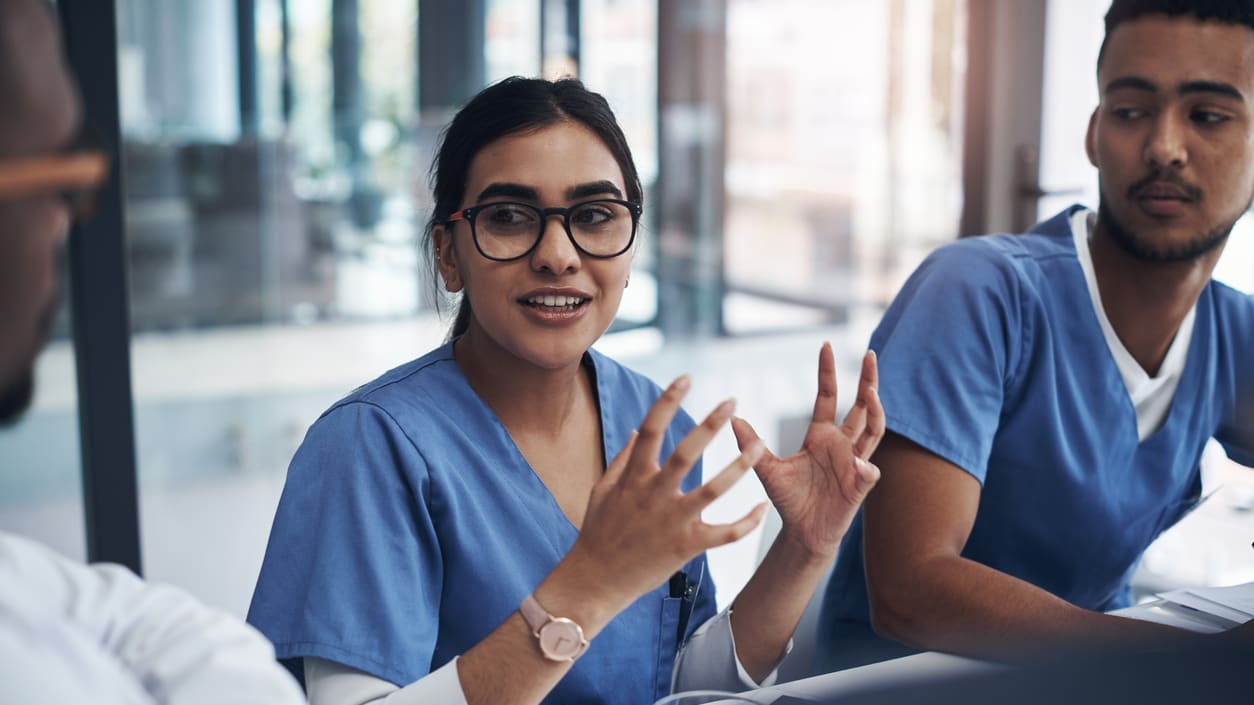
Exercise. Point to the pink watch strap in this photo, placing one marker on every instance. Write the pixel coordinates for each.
(533, 614)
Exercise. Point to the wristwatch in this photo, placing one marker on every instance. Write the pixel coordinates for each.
(561, 639)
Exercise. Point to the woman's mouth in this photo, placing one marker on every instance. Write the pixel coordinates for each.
(554, 303)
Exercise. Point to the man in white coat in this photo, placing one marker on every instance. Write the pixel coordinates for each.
(71, 633)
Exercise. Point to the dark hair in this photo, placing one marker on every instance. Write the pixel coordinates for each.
(1225, 11)
(509, 107)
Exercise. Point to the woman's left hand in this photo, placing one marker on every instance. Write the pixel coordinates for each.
(818, 490)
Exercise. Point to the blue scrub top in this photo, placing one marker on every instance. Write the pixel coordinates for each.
(992, 357)
(411, 526)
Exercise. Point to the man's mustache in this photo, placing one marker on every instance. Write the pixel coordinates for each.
(1170, 177)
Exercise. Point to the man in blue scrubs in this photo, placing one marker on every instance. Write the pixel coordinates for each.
(1049, 394)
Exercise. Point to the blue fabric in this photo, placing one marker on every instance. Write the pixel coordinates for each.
(411, 526)
(993, 358)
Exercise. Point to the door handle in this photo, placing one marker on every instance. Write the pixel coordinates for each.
(1027, 190)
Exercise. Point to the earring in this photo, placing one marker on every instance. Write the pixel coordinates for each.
(627, 282)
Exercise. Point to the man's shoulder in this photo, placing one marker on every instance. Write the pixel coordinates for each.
(1233, 314)
(992, 259)
(1006, 258)
(1229, 300)
(20, 553)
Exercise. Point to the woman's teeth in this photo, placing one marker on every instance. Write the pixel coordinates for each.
(555, 301)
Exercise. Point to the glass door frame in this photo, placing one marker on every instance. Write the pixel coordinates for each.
(99, 305)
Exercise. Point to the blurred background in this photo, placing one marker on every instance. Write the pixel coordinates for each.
(259, 256)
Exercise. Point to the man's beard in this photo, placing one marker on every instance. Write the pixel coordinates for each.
(16, 398)
(1146, 251)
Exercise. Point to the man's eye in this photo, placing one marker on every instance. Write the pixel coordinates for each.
(1208, 117)
(1129, 113)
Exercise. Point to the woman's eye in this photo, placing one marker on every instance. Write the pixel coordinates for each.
(591, 215)
(509, 215)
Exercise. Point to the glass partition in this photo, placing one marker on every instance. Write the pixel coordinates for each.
(274, 261)
(844, 125)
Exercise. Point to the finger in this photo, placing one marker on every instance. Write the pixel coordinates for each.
(744, 433)
(870, 371)
(746, 437)
(825, 400)
(701, 497)
(720, 534)
(689, 450)
(653, 429)
(619, 463)
(866, 475)
(856, 420)
(613, 473)
(868, 392)
(875, 427)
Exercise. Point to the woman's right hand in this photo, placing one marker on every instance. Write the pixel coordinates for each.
(640, 526)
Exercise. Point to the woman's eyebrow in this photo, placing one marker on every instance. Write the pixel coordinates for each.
(509, 190)
(594, 188)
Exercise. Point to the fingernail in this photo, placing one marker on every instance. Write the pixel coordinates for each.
(872, 354)
(726, 408)
(683, 383)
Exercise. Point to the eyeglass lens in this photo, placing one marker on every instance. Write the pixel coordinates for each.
(509, 230)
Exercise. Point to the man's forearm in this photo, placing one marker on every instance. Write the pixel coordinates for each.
(958, 605)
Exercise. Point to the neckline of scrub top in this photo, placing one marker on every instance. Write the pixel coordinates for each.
(591, 362)
(1189, 369)
(1151, 397)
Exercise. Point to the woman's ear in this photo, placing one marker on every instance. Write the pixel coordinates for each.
(446, 258)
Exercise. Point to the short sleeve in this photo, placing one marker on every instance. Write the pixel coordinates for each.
(352, 572)
(1235, 312)
(947, 347)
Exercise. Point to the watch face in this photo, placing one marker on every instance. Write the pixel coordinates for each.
(561, 639)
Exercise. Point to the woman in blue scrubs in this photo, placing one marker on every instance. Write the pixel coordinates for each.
(514, 517)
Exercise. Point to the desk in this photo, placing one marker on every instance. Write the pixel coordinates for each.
(932, 666)
(926, 666)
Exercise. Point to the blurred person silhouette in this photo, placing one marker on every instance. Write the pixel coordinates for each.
(72, 633)
(1049, 394)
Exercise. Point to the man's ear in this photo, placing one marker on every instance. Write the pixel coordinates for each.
(446, 258)
(1090, 137)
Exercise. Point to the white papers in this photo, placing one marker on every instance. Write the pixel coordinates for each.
(1225, 606)
(1172, 615)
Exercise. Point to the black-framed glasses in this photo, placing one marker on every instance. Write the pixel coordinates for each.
(509, 230)
(76, 175)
